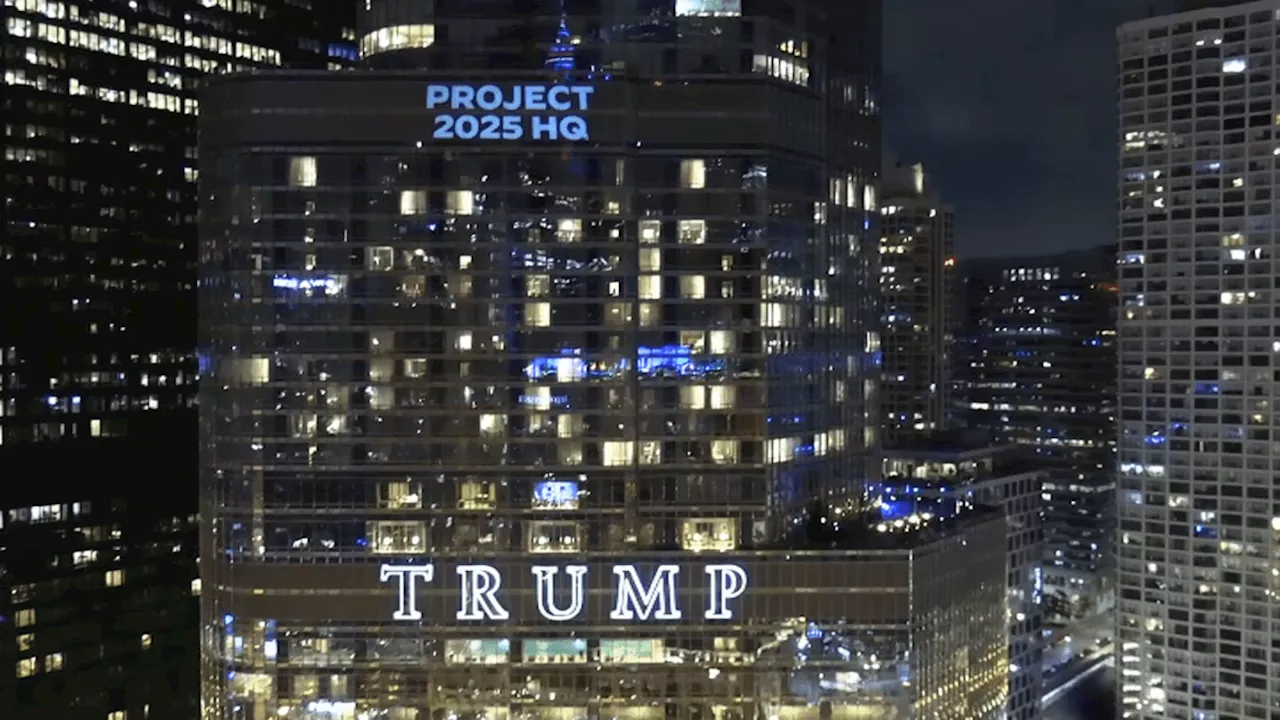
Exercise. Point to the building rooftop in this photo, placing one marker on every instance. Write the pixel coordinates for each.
(872, 530)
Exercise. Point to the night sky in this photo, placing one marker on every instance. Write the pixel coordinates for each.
(1010, 104)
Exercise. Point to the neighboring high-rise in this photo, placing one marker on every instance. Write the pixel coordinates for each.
(917, 268)
(97, 346)
(545, 381)
(1037, 370)
(1199, 517)
(955, 468)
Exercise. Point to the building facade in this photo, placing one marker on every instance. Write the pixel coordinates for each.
(100, 176)
(99, 606)
(917, 272)
(1199, 521)
(586, 303)
(1038, 359)
(97, 348)
(953, 469)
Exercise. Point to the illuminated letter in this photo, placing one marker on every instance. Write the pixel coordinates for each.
(725, 582)
(489, 97)
(535, 97)
(658, 601)
(545, 591)
(463, 97)
(516, 100)
(558, 98)
(437, 94)
(583, 92)
(406, 574)
(544, 128)
(573, 128)
(479, 585)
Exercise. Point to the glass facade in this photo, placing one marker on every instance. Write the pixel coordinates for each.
(650, 344)
(917, 270)
(1040, 351)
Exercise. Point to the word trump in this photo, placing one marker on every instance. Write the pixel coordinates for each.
(634, 599)
(499, 104)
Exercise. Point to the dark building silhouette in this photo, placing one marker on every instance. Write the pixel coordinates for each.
(1039, 372)
(97, 347)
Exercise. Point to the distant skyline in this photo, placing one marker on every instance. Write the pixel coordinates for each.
(1011, 107)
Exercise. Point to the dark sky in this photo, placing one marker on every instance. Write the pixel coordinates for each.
(1010, 105)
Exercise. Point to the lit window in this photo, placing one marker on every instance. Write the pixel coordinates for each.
(114, 578)
(693, 287)
(413, 202)
(537, 314)
(1234, 65)
(650, 287)
(381, 258)
(25, 618)
(395, 537)
(460, 202)
(397, 37)
(145, 641)
(554, 536)
(53, 661)
(569, 230)
(650, 231)
(693, 174)
(302, 171)
(724, 452)
(699, 534)
(692, 232)
(28, 667)
(618, 452)
(400, 495)
(118, 715)
(475, 495)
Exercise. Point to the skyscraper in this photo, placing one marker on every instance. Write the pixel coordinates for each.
(917, 269)
(951, 467)
(1038, 371)
(97, 347)
(540, 374)
(1199, 520)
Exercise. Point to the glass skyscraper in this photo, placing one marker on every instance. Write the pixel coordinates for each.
(97, 346)
(543, 362)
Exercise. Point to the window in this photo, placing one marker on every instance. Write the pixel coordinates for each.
(650, 287)
(302, 171)
(650, 231)
(381, 258)
(700, 534)
(114, 578)
(693, 287)
(484, 652)
(24, 618)
(397, 37)
(537, 314)
(118, 715)
(569, 230)
(637, 650)
(724, 452)
(554, 536)
(397, 537)
(400, 495)
(145, 641)
(26, 641)
(693, 174)
(555, 651)
(52, 662)
(28, 667)
(413, 202)
(460, 202)
(475, 495)
(692, 232)
(618, 452)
